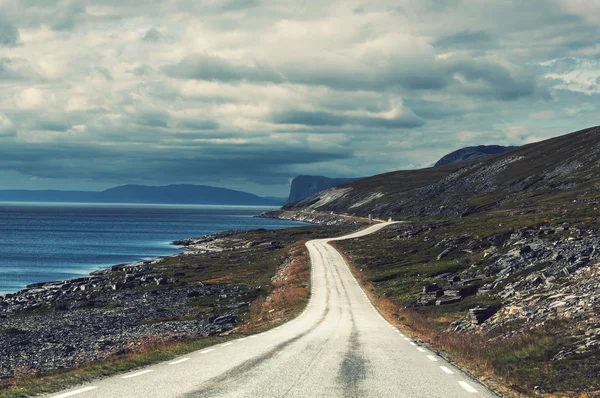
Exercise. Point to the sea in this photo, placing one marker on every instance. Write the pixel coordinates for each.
(42, 242)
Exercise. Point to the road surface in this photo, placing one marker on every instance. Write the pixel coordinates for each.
(340, 346)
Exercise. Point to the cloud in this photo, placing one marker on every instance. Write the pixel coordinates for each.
(153, 36)
(208, 67)
(9, 34)
(249, 93)
(491, 79)
(464, 39)
(199, 125)
(69, 16)
(7, 128)
(321, 118)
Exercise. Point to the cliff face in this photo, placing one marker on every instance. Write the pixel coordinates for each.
(305, 186)
(471, 153)
(559, 170)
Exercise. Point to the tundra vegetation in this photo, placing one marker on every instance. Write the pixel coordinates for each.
(225, 286)
(497, 266)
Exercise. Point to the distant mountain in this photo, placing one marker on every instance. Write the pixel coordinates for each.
(473, 153)
(305, 186)
(170, 194)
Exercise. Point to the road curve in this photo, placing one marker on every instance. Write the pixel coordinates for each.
(340, 346)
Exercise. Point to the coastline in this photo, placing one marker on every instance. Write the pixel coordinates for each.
(187, 246)
(198, 293)
(44, 243)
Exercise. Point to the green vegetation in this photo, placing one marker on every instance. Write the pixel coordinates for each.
(395, 267)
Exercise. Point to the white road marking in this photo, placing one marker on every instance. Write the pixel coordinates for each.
(413, 343)
(421, 349)
(143, 372)
(407, 339)
(226, 344)
(71, 393)
(252, 337)
(242, 339)
(434, 359)
(466, 386)
(207, 351)
(181, 360)
(446, 370)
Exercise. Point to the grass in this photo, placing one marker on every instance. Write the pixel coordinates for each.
(394, 268)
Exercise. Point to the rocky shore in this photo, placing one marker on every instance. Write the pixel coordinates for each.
(203, 291)
(314, 217)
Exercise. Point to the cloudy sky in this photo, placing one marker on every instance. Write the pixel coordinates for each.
(247, 94)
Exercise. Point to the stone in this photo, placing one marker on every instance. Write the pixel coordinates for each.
(443, 254)
(448, 300)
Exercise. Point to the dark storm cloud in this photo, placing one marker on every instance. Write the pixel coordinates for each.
(52, 125)
(68, 17)
(17, 69)
(9, 34)
(207, 67)
(153, 36)
(434, 110)
(320, 118)
(199, 125)
(257, 163)
(234, 5)
(496, 81)
(465, 39)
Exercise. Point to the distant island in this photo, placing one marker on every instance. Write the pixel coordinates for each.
(169, 194)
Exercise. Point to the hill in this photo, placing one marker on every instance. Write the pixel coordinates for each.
(564, 168)
(170, 194)
(502, 271)
(304, 186)
(472, 153)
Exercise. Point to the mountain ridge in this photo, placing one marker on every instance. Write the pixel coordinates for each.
(472, 153)
(133, 193)
(526, 176)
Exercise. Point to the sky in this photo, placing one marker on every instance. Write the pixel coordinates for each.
(247, 94)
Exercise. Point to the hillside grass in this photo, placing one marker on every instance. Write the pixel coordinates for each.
(394, 269)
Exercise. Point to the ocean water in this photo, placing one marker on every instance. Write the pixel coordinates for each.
(48, 242)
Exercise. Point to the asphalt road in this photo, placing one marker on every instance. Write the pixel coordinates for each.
(339, 347)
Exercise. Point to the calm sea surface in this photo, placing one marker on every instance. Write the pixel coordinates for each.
(46, 242)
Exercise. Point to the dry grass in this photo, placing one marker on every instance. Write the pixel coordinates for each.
(289, 292)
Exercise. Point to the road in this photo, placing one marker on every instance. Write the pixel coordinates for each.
(340, 346)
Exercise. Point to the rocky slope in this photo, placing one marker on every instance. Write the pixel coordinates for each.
(472, 153)
(304, 186)
(521, 289)
(563, 168)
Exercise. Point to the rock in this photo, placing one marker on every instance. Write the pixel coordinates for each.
(432, 288)
(448, 300)
(478, 315)
(443, 254)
